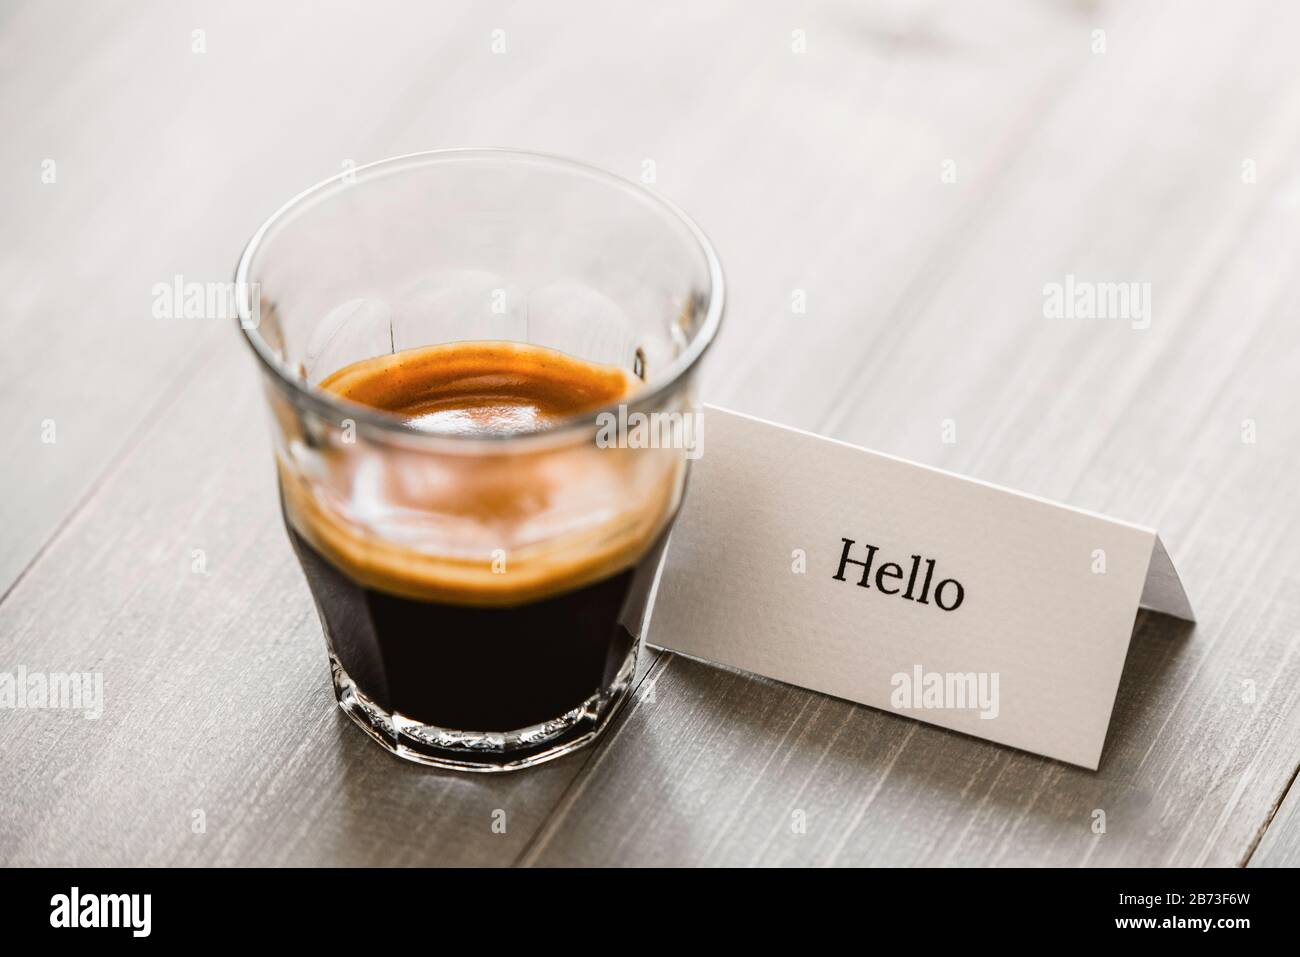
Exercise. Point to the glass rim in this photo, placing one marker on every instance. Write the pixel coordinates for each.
(335, 408)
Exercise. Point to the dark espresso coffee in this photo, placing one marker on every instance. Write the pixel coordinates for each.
(431, 624)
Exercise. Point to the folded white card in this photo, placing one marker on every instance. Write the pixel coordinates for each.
(907, 588)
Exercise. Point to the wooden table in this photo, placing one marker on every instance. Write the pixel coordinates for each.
(918, 170)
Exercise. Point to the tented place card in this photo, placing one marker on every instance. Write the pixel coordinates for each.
(907, 588)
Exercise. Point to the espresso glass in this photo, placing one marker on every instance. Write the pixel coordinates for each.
(482, 595)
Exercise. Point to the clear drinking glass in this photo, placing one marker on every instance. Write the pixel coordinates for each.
(482, 596)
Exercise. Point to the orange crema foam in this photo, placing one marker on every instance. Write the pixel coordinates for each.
(497, 528)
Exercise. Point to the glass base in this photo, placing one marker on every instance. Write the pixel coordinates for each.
(483, 750)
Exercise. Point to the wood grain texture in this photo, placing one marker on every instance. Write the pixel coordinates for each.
(818, 172)
(1280, 845)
